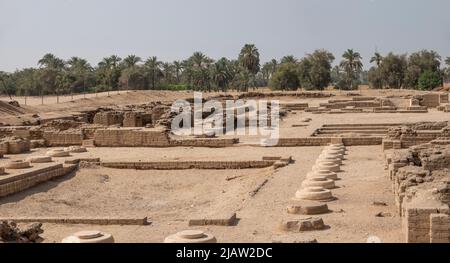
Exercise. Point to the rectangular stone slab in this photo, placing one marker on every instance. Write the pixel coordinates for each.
(223, 220)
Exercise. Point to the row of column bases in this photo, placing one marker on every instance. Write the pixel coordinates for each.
(316, 188)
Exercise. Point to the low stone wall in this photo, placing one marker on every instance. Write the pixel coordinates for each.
(55, 139)
(439, 228)
(309, 141)
(323, 141)
(14, 146)
(23, 181)
(79, 220)
(419, 178)
(108, 118)
(130, 138)
(185, 165)
(408, 141)
(430, 100)
(205, 142)
(153, 138)
(426, 224)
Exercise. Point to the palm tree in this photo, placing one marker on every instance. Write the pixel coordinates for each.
(352, 65)
(198, 67)
(50, 61)
(178, 67)
(51, 68)
(447, 70)
(377, 58)
(131, 61)
(80, 68)
(4, 77)
(288, 59)
(273, 64)
(167, 70)
(249, 60)
(222, 74)
(110, 66)
(154, 67)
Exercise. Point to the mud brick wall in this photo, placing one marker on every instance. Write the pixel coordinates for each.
(417, 224)
(88, 133)
(409, 141)
(132, 119)
(4, 146)
(130, 138)
(22, 133)
(312, 141)
(431, 100)
(85, 221)
(63, 138)
(323, 141)
(362, 98)
(15, 146)
(204, 142)
(359, 141)
(356, 104)
(12, 185)
(439, 228)
(108, 118)
(6, 131)
(185, 165)
(443, 98)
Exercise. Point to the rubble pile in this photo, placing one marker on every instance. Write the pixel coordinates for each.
(11, 232)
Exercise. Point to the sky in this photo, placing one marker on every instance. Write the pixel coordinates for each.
(174, 29)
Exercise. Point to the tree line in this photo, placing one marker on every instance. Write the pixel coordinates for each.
(420, 70)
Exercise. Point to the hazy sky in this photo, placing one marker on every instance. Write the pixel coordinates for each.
(174, 29)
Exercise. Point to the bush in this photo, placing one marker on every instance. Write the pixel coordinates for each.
(285, 77)
(430, 80)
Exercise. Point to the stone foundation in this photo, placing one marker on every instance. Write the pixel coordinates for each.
(185, 165)
(22, 181)
(84, 221)
(55, 139)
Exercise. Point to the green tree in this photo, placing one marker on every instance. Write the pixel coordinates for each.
(375, 78)
(377, 58)
(178, 68)
(168, 72)
(249, 60)
(153, 66)
(109, 72)
(131, 61)
(418, 63)
(51, 61)
(134, 78)
(199, 67)
(52, 68)
(222, 74)
(82, 73)
(268, 69)
(303, 72)
(429, 80)
(393, 70)
(447, 70)
(320, 68)
(7, 85)
(285, 77)
(288, 59)
(26, 83)
(352, 66)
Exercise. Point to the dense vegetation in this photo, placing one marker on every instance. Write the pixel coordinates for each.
(420, 70)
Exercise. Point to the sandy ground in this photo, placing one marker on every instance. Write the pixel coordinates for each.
(171, 198)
